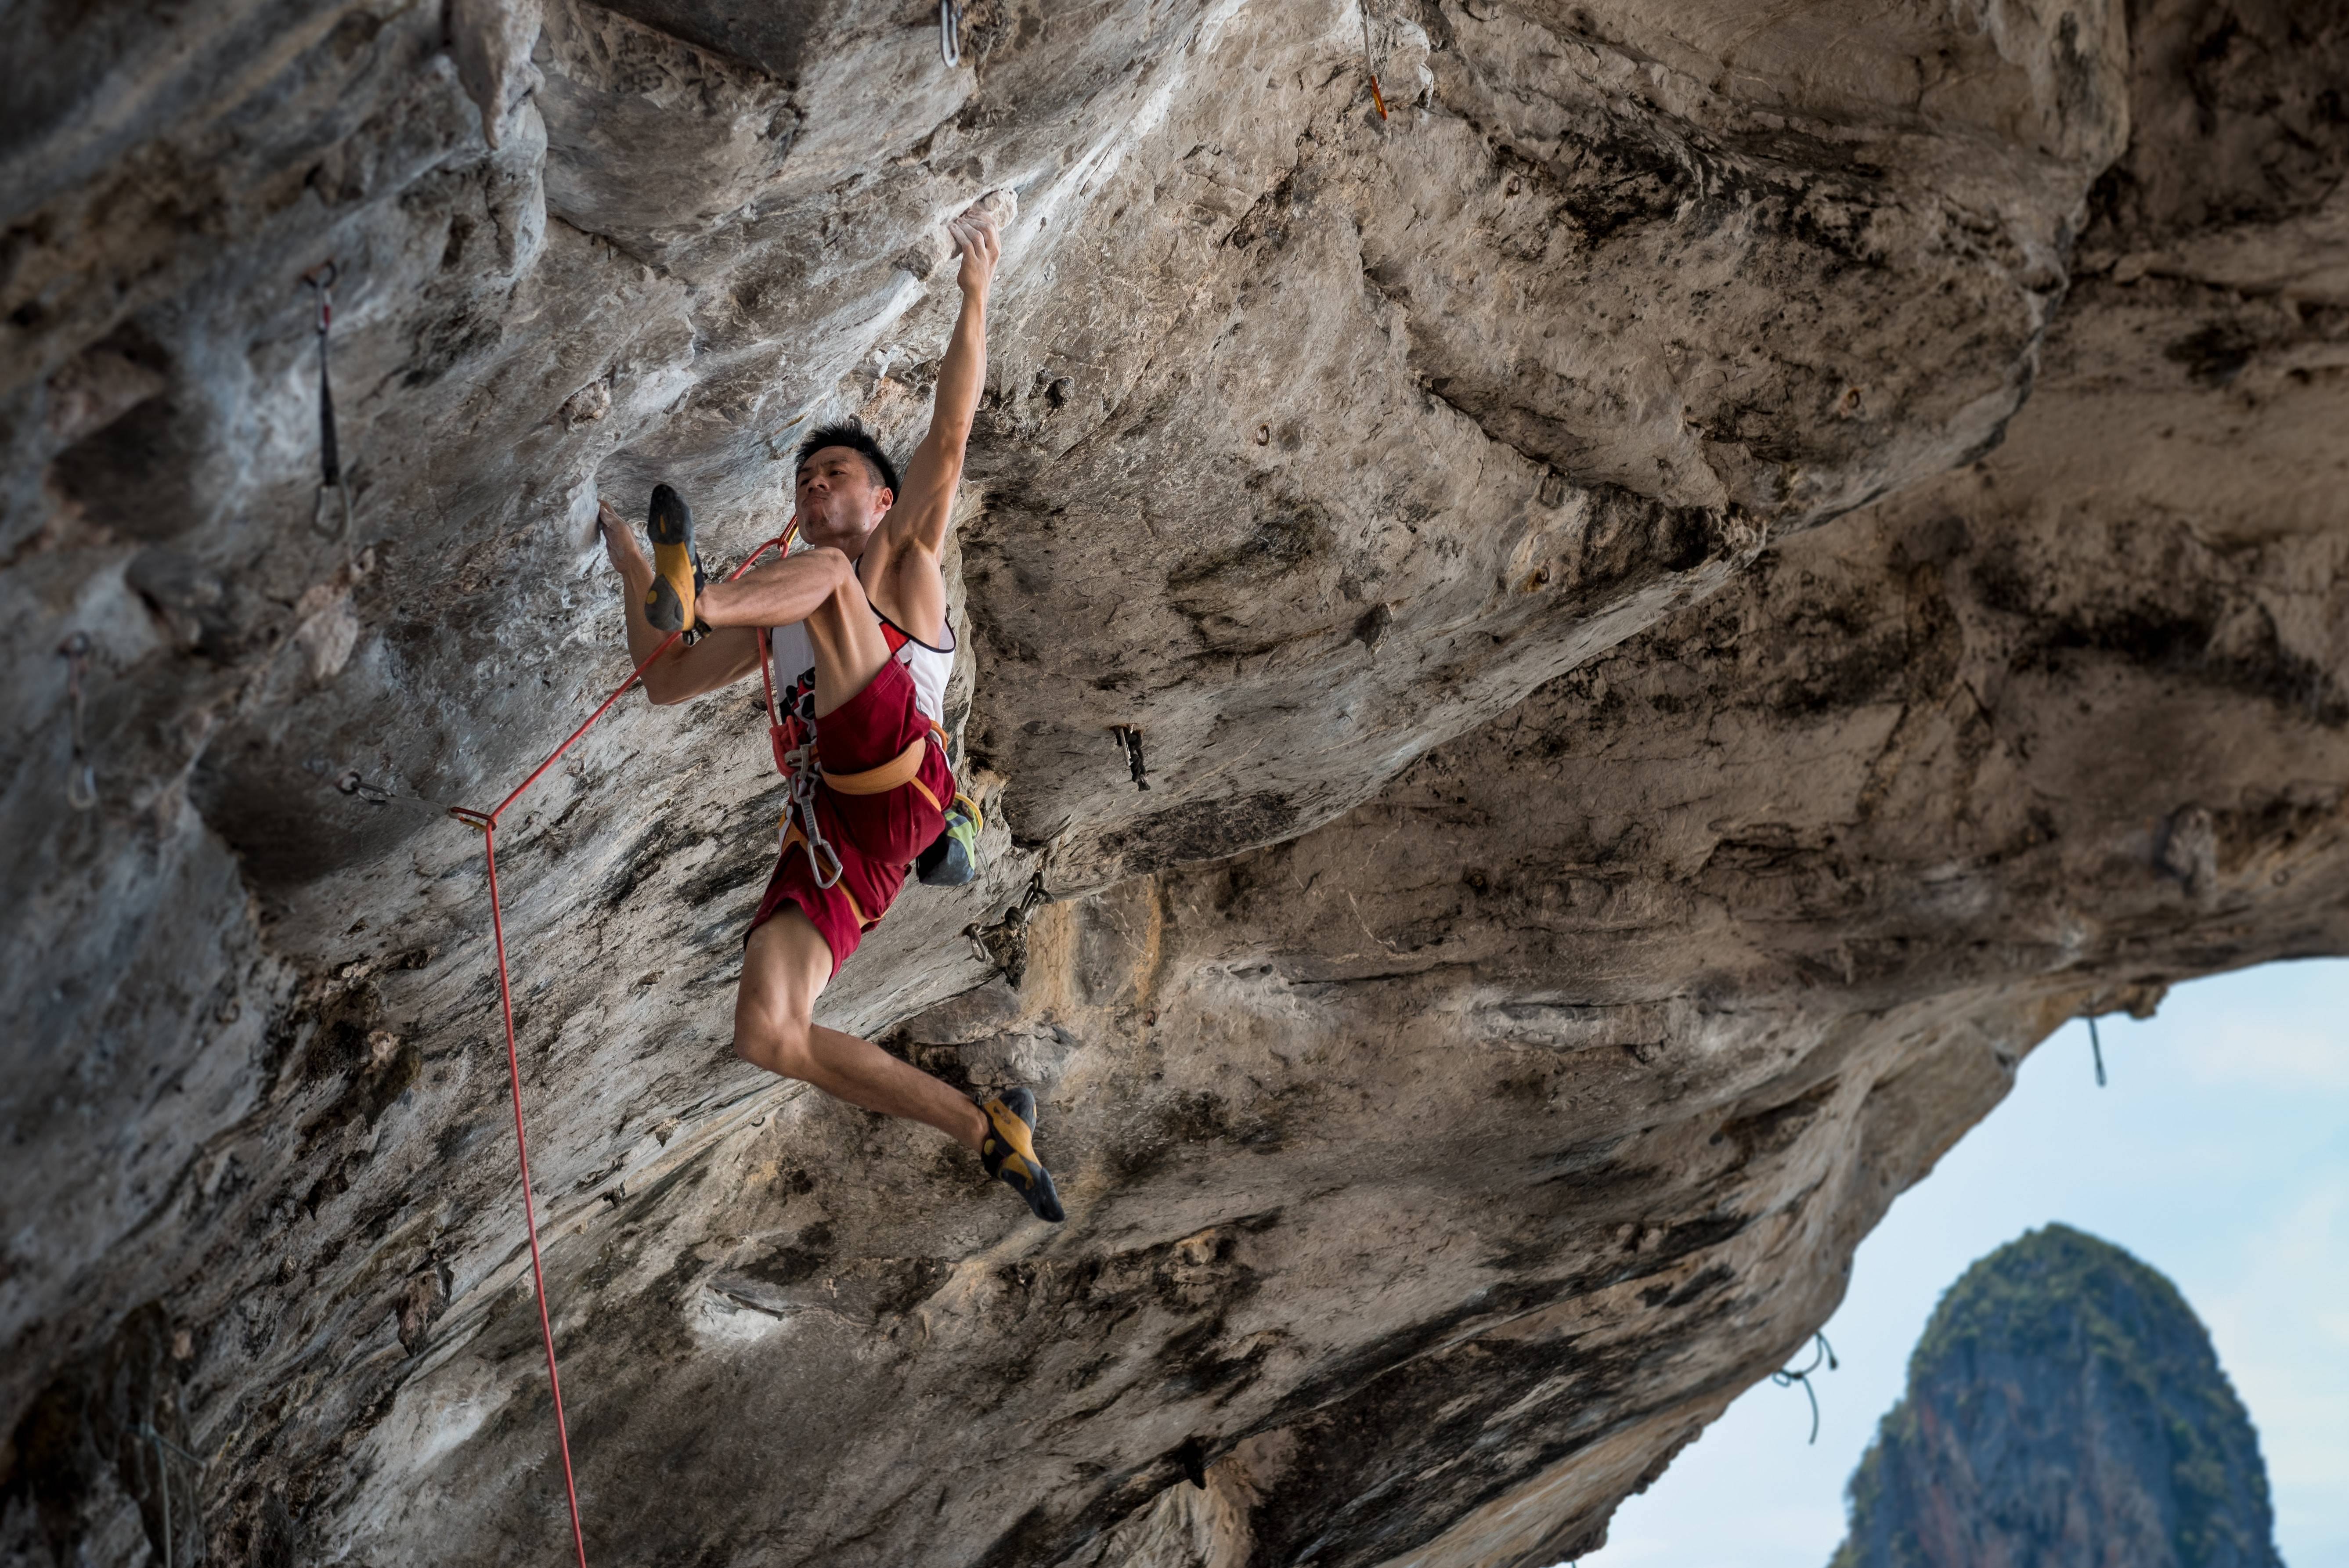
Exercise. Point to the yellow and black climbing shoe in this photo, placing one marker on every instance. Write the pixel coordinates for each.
(676, 569)
(1009, 1151)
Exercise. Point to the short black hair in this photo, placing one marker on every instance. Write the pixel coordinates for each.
(851, 433)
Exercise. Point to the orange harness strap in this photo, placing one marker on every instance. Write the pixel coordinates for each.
(897, 771)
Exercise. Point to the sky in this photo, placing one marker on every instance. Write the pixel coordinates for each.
(2219, 1154)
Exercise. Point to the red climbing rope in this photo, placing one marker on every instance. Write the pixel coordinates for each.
(487, 823)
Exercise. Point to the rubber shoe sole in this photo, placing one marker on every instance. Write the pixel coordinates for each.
(676, 569)
(1009, 1152)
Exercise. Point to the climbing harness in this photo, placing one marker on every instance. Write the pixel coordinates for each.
(1369, 66)
(952, 859)
(324, 521)
(81, 778)
(1787, 1377)
(2096, 1047)
(950, 31)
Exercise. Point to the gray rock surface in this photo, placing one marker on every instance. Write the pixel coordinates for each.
(1690, 595)
(2063, 1406)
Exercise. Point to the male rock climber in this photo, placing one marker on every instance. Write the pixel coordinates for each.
(862, 651)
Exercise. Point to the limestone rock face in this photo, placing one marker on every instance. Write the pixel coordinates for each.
(2063, 1406)
(1689, 594)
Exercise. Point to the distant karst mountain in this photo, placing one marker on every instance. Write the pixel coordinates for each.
(2064, 1407)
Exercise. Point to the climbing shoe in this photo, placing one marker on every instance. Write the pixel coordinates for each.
(677, 577)
(1009, 1151)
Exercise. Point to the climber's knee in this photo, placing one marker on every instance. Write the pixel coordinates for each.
(780, 1044)
(784, 966)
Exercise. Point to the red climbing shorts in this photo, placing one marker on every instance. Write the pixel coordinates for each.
(881, 800)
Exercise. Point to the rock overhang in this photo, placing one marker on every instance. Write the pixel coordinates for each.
(1565, 882)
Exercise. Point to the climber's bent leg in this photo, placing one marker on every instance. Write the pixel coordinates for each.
(877, 803)
(784, 968)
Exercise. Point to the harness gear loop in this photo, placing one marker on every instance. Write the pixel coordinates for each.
(81, 777)
(799, 770)
(321, 280)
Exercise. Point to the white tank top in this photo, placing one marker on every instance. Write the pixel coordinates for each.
(794, 656)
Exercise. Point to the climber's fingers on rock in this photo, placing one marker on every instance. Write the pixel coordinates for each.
(979, 225)
(975, 239)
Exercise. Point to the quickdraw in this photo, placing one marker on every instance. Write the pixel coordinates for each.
(1370, 65)
(81, 777)
(950, 32)
(323, 522)
(164, 1449)
(1129, 740)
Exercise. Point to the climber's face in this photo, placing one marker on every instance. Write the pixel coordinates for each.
(841, 498)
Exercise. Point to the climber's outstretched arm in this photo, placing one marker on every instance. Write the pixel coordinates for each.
(904, 580)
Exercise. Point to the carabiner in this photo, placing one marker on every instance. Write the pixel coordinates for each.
(950, 32)
(322, 522)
